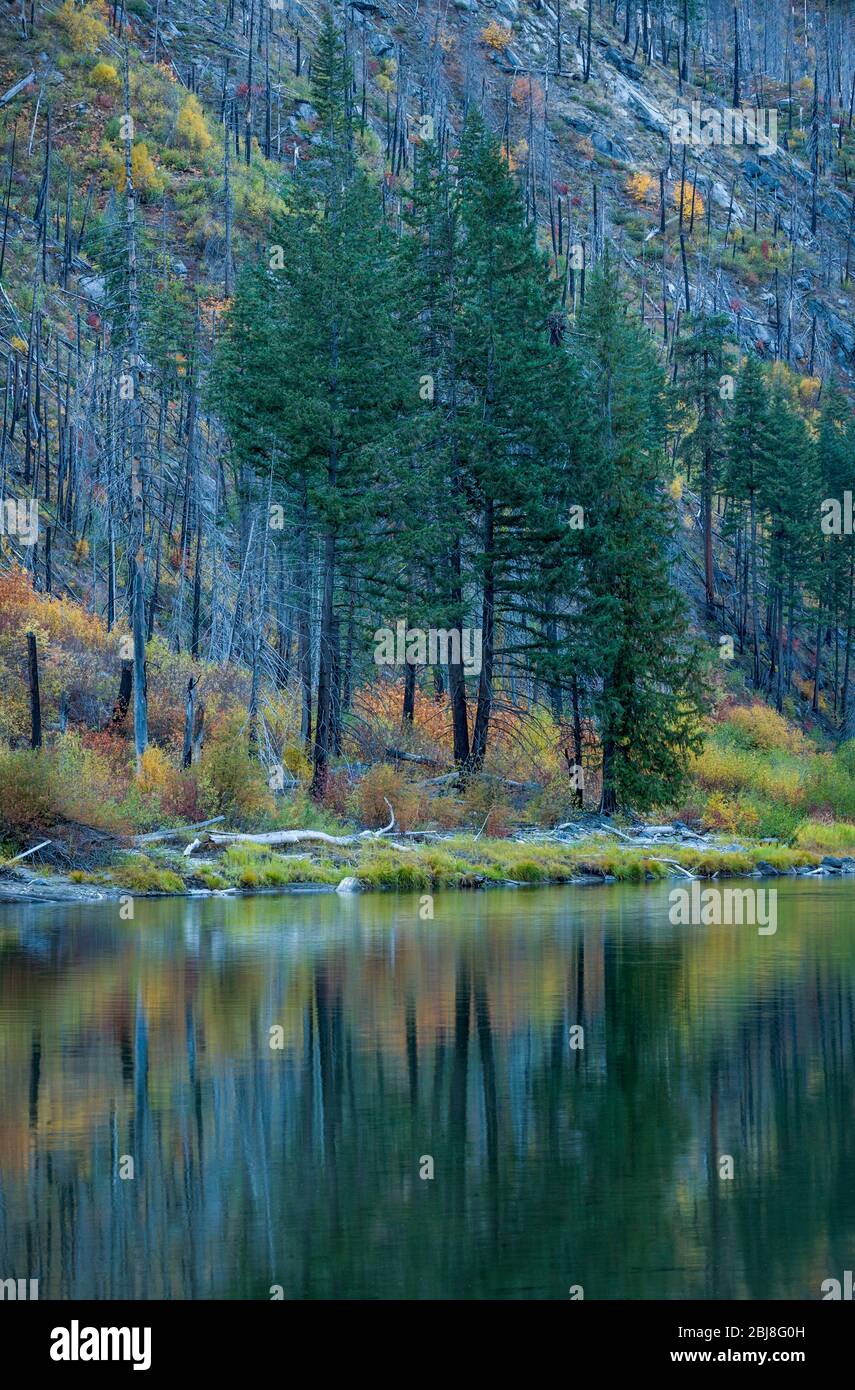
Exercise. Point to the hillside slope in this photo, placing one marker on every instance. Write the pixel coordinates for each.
(221, 101)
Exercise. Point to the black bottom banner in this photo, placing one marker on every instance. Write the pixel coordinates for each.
(229, 1338)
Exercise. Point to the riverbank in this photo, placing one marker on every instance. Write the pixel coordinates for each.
(461, 862)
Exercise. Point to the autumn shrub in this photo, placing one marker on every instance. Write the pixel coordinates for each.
(148, 183)
(82, 25)
(527, 92)
(689, 199)
(86, 785)
(40, 788)
(717, 768)
(159, 783)
(382, 784)
(556, 801)
(486, 809)
(641, 187)
(732, 815)
(26, 791)
(734, 769)
(191, 129)
(223, 689)
(233, 781)
(760, 726)
(105, 77)
(387, 71)
(337, 792)
(830, 786)
(297, 763)
(73, 651)
(445, 811)
(379, 725)
(496, 36)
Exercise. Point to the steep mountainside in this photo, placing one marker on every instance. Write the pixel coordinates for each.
(158, 526)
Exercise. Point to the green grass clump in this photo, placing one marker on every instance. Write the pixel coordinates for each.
(404, 873)
(256, 866)
(838, 838)
(142, 876)
(213, 880)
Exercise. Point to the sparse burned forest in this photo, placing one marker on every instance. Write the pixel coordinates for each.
(426, 466)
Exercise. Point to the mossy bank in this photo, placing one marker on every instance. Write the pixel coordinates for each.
(462, 862)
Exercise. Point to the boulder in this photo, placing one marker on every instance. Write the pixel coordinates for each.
(647, 114)
(349, 885)
(583, 124)
(93, 287)
(613, 148)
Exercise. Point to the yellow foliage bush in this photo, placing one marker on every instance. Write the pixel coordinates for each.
(71, 645)
(724, 769)
(295, 761)
(690, 199)
(732, 817)
(809, 388)
(148, 183)
(191, 128)
(40, 788)
(760, 726)
(26, 790)
(157, 776)
(105, 77)
(83, 27)
(232, 780)
(641, 187)
(496, 36)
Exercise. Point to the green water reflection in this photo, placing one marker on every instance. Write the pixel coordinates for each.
(449, 1038)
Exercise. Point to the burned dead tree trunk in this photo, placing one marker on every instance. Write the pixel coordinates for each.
(35, 698)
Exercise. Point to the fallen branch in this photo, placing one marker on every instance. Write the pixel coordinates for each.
(173, 834)
(18, 87)
(674, 865)
(403, 757)
(296, 837)
(443, 781)
(27, 852)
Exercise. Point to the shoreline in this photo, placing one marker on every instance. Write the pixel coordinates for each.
(460, 863)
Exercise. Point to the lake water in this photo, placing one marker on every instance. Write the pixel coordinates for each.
(405, 1041)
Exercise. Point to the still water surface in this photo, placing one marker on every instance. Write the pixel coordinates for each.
(401, 1039)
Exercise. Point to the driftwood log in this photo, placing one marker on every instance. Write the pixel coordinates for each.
(273, 838)
(153, 835)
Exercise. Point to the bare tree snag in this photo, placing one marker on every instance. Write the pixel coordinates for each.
(35, 699)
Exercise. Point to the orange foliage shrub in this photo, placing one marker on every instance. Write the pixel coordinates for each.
(381, 784)
(485, 805)
(527, 91)
(336, 796)
(72, 647)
